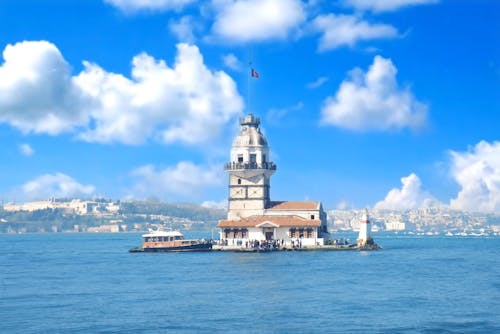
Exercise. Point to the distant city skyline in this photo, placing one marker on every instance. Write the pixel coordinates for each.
(380, 104)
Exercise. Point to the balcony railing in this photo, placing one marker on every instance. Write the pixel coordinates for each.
(249, 165)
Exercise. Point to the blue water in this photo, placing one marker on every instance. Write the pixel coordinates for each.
(89, 283)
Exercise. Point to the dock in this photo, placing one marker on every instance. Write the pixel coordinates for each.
(243, 249)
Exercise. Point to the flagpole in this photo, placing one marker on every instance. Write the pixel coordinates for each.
(249, 81)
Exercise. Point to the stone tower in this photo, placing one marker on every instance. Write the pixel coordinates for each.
(249, 171)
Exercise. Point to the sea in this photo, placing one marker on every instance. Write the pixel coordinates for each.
(90, 283)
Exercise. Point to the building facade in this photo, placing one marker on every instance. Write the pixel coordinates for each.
(252, 216)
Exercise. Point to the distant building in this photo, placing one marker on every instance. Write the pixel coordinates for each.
(252, 215)
(31, 206)
(395, 225)
(76, 206)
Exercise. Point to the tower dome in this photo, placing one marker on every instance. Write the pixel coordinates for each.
(250, 151)
(250, 134)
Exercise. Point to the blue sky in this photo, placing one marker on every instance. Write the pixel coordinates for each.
(387, 104)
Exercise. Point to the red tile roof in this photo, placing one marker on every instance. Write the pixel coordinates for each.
(280, 221)
(294, 206)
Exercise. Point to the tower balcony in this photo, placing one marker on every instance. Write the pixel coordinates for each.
(239, 166)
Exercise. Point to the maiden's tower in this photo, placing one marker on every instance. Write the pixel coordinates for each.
(252, 216)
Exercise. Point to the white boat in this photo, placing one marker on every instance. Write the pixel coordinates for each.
(171, 241)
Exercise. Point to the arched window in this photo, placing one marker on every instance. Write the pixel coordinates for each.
(239, 181)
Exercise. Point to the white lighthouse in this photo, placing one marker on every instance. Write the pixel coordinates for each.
(364, 237)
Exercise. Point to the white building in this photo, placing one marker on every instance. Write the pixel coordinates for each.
(76, 206)
(252, 215)
(31, 206)
(395, 225)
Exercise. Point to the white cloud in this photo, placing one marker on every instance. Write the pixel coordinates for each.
(232, 62)
(37, 92)
(185, 180)
(55, 185)
(386, 5)
(184, 29)
(478, 174)
(339, 30)
(317, 83)
(243, 21)
(26, 150)
(275, 115)
(410, 196)
(215, 205)
(373, 101)
(130, 6)
(343, 205)
(186, 102)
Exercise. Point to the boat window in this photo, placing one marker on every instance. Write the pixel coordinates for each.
(146, 239)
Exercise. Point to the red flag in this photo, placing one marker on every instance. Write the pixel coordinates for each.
(255, 74)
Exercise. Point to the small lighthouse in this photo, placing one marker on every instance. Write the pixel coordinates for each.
(364, 237)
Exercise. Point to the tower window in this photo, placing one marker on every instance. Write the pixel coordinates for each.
(312, 217)
(240, 157)
(263, 158)
(253, 158)
(239, 181)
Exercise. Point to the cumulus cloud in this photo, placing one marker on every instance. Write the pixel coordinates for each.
(55, 185)
(184, 29)
(385, 5)
(243, 21)
(186, 180)
(26, 150)
(130, 6)
(37, 92)
(186, 102)
(410, 196)
(340, 30)
(374, 101)
(477, 172)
